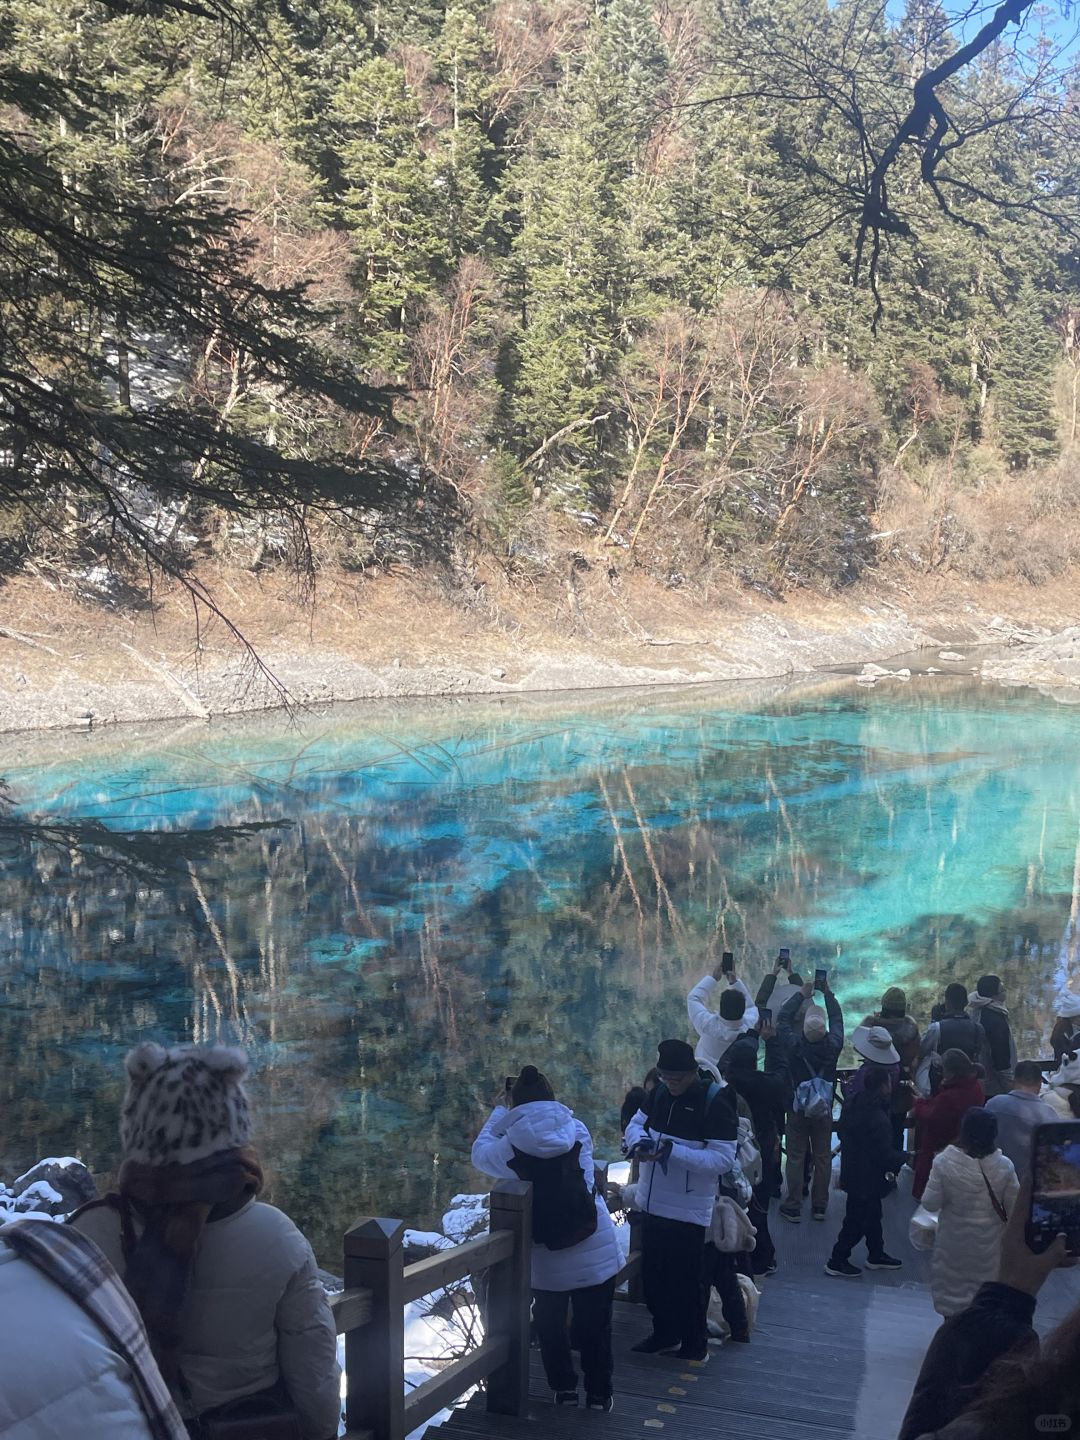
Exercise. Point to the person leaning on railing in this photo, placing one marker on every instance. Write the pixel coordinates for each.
(985, 1376)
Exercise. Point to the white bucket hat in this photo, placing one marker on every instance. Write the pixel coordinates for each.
(1067, 1005)
(873, 1042)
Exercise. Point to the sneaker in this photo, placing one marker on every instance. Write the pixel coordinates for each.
(695, 1354)
(842, 1268)
(818, 1212)
(566, 1397)
(769, 1269)
(734, 1339)
(655, 1345)
(600, 1402)
(884, 1262)
(790, 1213)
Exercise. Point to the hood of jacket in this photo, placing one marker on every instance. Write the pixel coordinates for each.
(722, 1034)
(542, 1128)
(986, 1002)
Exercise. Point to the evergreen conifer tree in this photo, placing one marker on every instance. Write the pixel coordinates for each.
(1023, 383)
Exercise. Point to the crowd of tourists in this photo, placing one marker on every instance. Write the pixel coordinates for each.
(181, 1307)
(720, 1130)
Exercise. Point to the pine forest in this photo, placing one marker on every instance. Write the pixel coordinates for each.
(679, 283)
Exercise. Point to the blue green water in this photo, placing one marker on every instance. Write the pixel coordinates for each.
(467, 887)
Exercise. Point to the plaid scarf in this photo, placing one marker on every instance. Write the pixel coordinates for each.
(174, 1202)
(72, 1261)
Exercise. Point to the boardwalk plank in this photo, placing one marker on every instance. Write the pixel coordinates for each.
(829, 1359)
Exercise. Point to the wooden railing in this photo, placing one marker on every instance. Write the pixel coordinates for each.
(370, 1313)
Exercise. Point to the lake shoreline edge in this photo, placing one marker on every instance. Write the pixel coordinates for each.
(810, 636)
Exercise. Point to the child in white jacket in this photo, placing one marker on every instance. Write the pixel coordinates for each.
(527, 1140)
(972, 1189)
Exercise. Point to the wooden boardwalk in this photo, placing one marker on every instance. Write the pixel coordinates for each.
(828, 1359)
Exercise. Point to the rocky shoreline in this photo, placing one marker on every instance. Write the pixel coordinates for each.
(65, 676)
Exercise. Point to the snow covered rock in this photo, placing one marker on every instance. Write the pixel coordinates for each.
(54, 1187)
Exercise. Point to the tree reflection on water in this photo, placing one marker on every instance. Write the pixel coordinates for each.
(473, 886)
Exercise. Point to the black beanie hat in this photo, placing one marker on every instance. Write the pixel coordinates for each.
(531, 1085)
(989, 986)
(675, 1056)
(732, 1004)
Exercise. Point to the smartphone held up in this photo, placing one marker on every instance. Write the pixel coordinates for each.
(1055, 1187)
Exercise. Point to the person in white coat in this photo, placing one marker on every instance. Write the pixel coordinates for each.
(1062, 1090)
(530, 1136)
(972, 1189)
(719, 1029)
(227, 1286)
(684, 1140)
(75, 1359)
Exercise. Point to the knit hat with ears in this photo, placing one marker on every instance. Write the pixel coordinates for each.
(184, 1104)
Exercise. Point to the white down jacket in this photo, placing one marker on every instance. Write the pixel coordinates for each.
(59, 1375)
(686, 1188)
(256, 1311)
(717, 1034)
(968, 1245)
(546, 1128)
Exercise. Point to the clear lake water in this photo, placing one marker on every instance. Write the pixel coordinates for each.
(458, 888)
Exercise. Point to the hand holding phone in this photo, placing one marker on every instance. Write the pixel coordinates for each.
(784, 958)
(727, 963)
(1054, 1204)
(821, 980)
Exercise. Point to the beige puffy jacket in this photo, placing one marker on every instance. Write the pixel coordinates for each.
(255, 1312)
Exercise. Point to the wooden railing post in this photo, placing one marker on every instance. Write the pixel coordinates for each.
(510, 1298)
(375, 1355)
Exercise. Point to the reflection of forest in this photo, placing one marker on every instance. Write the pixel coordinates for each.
(445, 908)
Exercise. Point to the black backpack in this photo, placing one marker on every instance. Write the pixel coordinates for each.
(563, 1205)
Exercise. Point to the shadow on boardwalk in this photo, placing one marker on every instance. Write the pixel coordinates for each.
(828, 1358)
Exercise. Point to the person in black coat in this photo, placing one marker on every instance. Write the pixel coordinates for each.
(766, 1096)
(868, 1164)
(959, 1394)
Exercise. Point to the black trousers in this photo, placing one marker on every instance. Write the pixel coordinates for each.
(673, 1274)
(722, 1272)
(592, 1331)
(862, 1219)
(764, 1252)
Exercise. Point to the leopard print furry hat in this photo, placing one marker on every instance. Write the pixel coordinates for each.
(184, 1104)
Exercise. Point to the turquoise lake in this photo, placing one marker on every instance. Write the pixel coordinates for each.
(463, 887)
